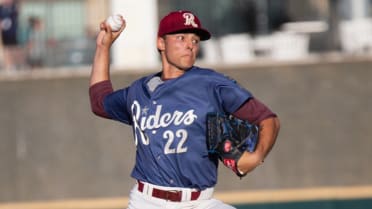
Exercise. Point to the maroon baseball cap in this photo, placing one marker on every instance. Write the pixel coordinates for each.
(182, 22)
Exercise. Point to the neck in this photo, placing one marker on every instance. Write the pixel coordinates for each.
(168, 74)
(171, 71)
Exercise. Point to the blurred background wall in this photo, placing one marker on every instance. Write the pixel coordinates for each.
(308, 60)
(243, 30)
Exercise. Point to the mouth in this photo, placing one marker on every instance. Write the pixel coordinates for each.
(188, 55)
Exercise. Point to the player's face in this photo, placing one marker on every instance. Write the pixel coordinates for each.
(181, 49)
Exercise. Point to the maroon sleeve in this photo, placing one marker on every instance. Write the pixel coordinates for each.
(97, 93)
(254, 111)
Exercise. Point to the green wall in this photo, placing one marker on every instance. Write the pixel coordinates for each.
(324, 204)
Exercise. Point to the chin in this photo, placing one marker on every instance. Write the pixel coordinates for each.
(187, 67)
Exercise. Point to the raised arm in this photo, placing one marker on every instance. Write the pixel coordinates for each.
(101, 63)
(101, 68)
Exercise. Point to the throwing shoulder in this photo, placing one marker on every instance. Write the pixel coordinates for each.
(211, 75)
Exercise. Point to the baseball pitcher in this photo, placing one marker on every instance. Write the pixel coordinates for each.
(185, 119)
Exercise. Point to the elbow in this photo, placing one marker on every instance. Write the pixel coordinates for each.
(98, 110)
(272, 123)
(97, 93)
(277, 125)
(269, 129)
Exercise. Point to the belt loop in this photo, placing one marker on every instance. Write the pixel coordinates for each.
(186, 195)
(147, 190)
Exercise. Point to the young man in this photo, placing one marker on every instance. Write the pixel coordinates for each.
(168, 110)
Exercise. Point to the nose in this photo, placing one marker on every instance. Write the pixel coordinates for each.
(190, 44)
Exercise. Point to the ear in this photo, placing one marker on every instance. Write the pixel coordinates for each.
(161, 43)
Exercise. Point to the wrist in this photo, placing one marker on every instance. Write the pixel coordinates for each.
(249, 161)
(103, 48)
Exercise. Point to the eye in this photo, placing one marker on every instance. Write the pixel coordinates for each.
(180, 37)
(195, 41)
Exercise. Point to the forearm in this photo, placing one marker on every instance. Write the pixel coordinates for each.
(268, 132)
(101, 65)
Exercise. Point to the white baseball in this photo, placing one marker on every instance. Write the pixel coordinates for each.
(115, 22)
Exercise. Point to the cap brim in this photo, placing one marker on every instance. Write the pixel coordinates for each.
(202, 33)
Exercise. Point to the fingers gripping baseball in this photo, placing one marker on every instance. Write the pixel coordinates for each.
(115, 22)
(110, 30)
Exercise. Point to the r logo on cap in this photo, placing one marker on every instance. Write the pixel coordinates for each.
(189, 19)
(182, 22)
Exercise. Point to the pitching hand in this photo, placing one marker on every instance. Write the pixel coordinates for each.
(106, 36)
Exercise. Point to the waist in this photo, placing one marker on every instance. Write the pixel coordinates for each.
(174, 194)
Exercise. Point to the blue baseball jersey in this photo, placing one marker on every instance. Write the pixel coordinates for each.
(169, 124)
